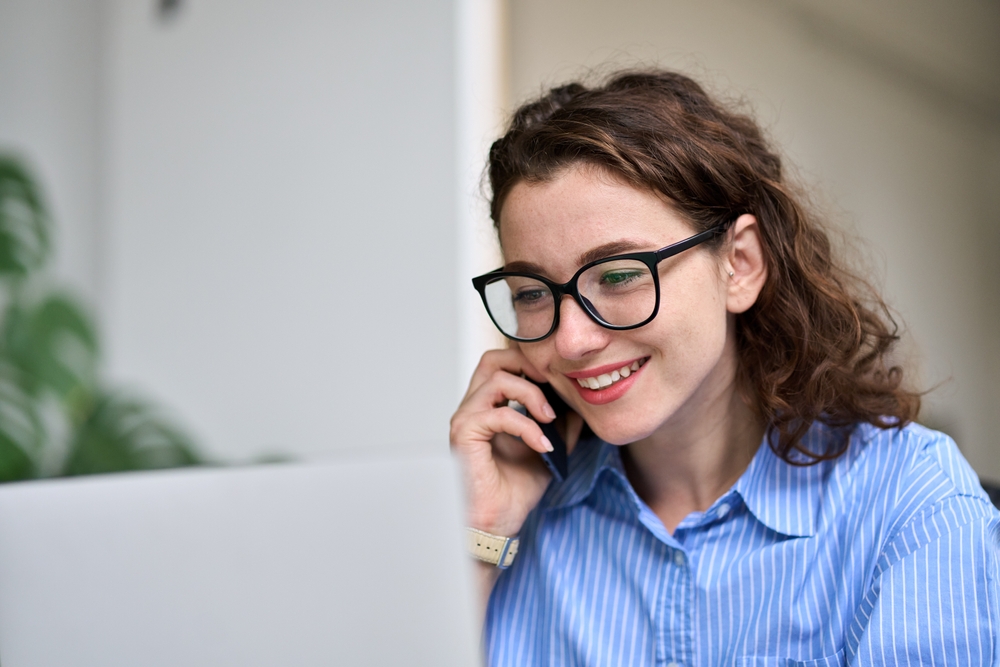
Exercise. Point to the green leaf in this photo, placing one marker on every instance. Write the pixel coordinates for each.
(54, 345)
(123, 433)
(15, 465)
(24, 222)
(21, 430)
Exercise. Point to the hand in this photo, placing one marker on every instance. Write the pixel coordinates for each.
(498, 447)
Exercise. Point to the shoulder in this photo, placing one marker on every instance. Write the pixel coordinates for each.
(918, 484)
(930, 540)
(911, 460)
(881, 473)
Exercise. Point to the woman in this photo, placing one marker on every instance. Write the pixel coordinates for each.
(746, 484)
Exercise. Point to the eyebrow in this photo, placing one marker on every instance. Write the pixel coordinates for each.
(609, 249)
(592, 255)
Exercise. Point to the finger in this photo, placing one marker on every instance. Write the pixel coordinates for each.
(509, 360)
(503, 387)
(481, 428)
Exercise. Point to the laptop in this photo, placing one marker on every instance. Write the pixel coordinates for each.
(336, 563)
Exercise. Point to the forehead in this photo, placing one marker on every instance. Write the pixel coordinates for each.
(554, 223)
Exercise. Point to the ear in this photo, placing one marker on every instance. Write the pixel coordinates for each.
(744, 258)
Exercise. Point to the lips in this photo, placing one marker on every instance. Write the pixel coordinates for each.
(607, 383)
(605, 380)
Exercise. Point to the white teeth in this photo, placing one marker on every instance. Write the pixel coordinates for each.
(607, 379)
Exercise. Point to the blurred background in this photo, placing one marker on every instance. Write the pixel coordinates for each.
(268, 212)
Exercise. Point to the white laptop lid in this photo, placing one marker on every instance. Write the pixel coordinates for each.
(354, 563)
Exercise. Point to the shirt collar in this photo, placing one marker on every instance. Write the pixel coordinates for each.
(784, 497)
(589, 459)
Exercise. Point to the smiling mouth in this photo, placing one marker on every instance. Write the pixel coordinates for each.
(605, 380)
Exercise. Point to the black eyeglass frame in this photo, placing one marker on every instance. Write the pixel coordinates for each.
(650, 258)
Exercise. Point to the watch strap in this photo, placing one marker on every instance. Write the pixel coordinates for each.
(492, 549)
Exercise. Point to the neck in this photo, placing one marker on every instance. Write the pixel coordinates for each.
(691, 461)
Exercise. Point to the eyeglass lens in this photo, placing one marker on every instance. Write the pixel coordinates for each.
(619, 292)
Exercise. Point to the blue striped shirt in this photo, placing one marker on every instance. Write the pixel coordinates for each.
(889, 555)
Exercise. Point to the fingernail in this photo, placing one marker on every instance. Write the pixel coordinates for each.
(545, 442)
(548, 411)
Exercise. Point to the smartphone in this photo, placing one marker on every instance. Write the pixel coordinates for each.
(557, 461)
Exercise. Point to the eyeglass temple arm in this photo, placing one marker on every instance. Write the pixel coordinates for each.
(691, 242)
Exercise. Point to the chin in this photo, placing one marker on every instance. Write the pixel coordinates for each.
(633, 421)
(621, 434)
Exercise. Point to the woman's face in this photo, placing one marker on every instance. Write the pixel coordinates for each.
(686, 355)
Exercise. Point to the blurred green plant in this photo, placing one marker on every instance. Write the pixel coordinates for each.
(56, 415)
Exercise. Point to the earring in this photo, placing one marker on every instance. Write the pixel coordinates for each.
(731, 274)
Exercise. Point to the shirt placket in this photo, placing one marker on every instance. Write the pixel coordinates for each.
(674, 646)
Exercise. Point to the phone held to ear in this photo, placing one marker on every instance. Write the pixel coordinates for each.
(557, 461)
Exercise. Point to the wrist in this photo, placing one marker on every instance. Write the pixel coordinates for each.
(495, 525)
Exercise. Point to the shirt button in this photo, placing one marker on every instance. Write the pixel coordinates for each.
(679, 559)
(722, 510)
(673, 664)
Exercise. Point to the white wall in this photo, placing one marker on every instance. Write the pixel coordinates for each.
(261, 201)
(49, 110)
(480, 65)
(281, 203)
(890, 108)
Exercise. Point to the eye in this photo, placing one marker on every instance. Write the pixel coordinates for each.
(620, 277)
(530, 295)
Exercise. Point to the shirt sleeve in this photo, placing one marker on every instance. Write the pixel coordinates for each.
(935, 593)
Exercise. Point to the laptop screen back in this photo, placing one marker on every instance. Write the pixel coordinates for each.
(356, 563)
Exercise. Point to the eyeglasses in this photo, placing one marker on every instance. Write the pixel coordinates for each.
(619, 292)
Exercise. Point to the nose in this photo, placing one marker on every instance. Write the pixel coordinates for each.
(577, 335)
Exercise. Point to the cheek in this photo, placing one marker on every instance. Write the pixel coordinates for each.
(692, 331)
(540, 354)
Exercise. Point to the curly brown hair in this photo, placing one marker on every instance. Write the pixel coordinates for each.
(816, 344)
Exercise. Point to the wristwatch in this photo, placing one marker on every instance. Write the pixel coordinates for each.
(492, 549)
